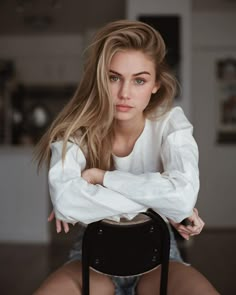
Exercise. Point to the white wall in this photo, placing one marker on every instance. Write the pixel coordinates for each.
(24, 198)
(168, 7)
(213, 39)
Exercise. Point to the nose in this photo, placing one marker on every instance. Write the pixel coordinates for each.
(124, 91)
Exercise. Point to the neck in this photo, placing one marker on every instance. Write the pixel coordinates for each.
(129, 128)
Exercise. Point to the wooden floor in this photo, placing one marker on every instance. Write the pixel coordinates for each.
(23, 267)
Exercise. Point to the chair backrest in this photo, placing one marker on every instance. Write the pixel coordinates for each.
(126, 249)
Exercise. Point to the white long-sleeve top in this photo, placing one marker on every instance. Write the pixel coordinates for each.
(161, 173)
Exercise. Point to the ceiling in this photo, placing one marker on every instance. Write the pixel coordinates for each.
(26, 17)
(56, 16)
(214, 5)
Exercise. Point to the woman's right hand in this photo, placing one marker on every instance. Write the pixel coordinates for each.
(59, 223)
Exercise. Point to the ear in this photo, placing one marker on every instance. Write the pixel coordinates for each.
(156, 87)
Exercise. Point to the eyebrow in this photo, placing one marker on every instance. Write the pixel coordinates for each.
(136, 74)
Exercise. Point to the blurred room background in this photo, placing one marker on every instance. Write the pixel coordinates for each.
(41, 59)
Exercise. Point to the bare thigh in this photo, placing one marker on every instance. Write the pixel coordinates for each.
(182, 280)
(68, 280)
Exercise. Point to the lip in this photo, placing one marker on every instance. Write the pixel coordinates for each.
(123, 107)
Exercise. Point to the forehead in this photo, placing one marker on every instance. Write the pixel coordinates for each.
(132, 61)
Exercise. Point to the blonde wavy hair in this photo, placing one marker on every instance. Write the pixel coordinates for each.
(88, 117)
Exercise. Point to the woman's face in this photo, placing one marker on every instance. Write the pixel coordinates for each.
(132, 82)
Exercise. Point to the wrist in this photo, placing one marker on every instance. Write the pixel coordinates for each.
(102, 173)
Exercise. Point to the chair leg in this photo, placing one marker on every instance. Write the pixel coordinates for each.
(85, 273)
(165, 263)
(164, 279)
(165, 251)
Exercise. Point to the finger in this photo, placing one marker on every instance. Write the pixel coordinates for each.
(194, 216)
(202, 222)
(66, 227)
(196, 219)
(58, 225)
(190, 231)
(201, 225)
(51, 216)
(196, 229)
(177, 226)
(184, 228)
(193, 230)
(195, 211)
(196, 222)
(184, 235)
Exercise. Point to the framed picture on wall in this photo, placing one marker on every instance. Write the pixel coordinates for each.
(226, 100)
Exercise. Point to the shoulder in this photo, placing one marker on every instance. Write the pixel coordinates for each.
(175, 117)
(174, 114)
(172, 125)
(178, 130)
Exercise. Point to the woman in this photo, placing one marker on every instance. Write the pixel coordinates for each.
(118, 148)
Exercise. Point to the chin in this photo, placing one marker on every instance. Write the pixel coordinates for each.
(123, 117)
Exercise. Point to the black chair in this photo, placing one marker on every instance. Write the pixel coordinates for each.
(126, 249)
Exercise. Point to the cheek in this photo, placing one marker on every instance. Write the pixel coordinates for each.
(113, 90)
(143, 98)
(148, 93)
(145, 93)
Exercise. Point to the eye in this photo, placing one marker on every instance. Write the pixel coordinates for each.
(139, 81)
(114, 78)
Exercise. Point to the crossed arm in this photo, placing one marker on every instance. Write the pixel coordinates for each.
(96, 176)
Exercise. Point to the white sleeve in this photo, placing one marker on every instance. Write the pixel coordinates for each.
(74, 199)
(172, 193)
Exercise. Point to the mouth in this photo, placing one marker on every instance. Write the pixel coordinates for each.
(123, 107)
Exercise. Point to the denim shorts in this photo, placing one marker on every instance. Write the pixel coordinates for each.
(123, 285)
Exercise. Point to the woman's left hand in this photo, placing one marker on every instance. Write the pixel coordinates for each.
(194, 228)
(93, 175)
